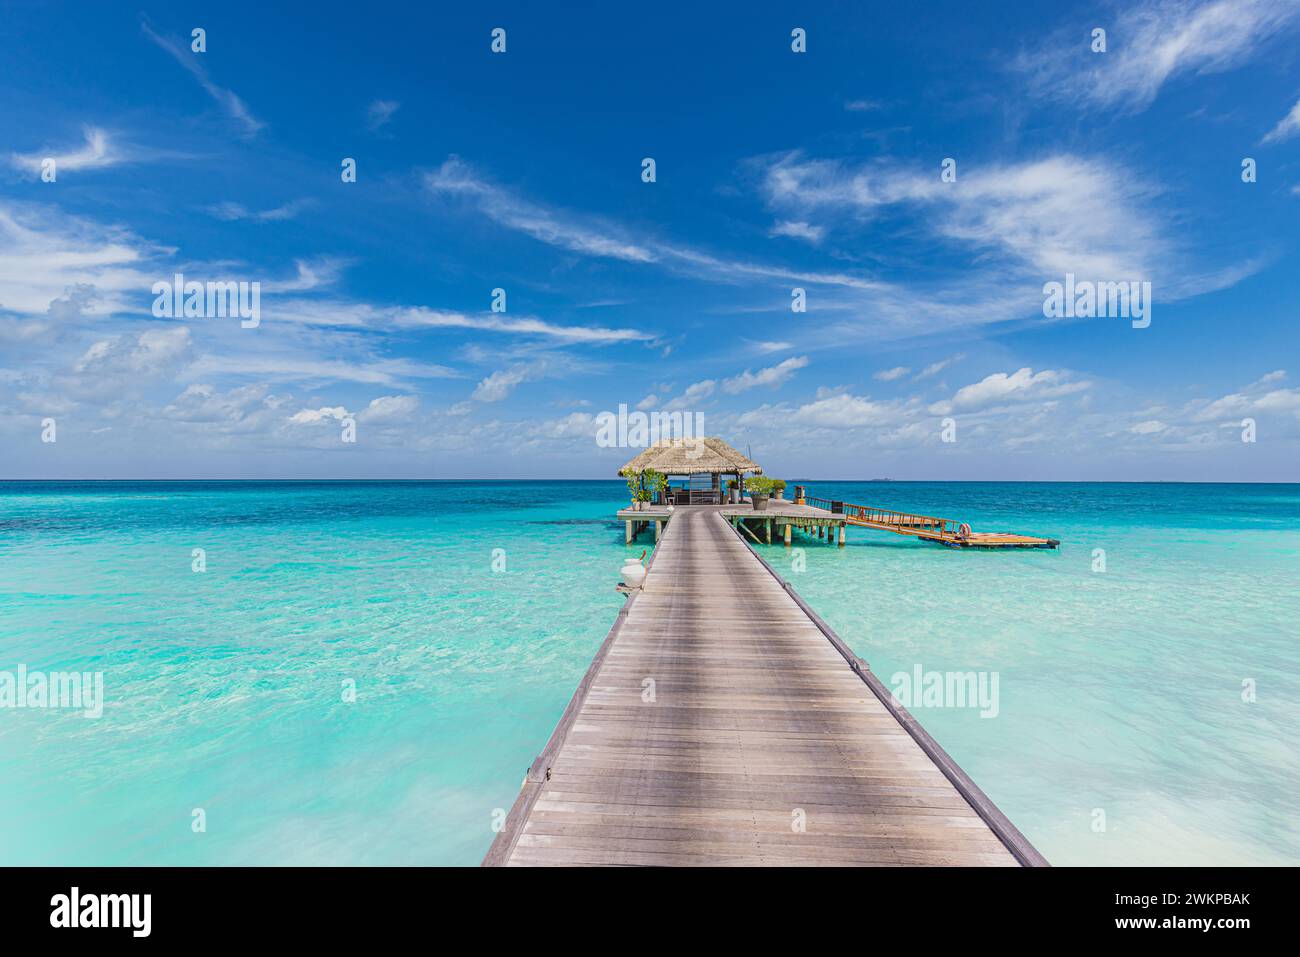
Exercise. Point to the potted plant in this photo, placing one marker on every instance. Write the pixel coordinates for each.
(634, 489)
(642, 499)
(759, 489)
(778, 489)
(655, 482)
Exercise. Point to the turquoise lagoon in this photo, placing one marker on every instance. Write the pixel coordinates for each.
(1120, 691)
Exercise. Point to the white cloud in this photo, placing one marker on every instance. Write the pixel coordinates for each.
(1287, 127)
(934, 368)
(390, 408)
(148, 354)
(225, 98)
(44, 254)
(1148, 428)
(889, 375)
(201, 402)
(798, 230)
(862, 106)
(297, 366)
(1023, 384)
(696, 392)
(99, 151)
(1149, 45)
(1055, 215)
(379, 112)
(500, 384)
(775, 375)
(593, 236)
(845, 411)
(649, 402)
(335, 413)
(457, 178)
(233, 212)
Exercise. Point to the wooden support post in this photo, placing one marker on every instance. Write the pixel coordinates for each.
(789, 530)
(841, 536)
(627, 540)
(659, 530)
(821, 531)
(767, 525)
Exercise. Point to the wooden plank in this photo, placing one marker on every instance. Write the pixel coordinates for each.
(722, 723)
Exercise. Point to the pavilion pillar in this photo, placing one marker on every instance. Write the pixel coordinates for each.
(767, 527)
(789, 529)
(841, 536)
(659, 530)
(627, 540)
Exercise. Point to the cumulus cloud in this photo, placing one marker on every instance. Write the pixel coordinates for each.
(390, 408)
(845, 411)
(1001, 387)
(798, 230)
(325, 413)
(149, 354)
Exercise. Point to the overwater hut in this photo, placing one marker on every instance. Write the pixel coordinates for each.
(697, 465)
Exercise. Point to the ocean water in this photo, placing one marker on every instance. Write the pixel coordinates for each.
(464, 614)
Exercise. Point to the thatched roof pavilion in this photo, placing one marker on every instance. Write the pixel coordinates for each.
(709, 455)
(694, 458)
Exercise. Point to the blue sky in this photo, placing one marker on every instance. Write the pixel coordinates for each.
(774, 170)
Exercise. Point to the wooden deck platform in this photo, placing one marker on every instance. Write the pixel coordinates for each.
(723, 723)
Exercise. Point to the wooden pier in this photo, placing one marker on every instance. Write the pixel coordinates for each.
(827, 519)
(722, 722)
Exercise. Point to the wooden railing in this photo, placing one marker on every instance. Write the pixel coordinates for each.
(888, 518)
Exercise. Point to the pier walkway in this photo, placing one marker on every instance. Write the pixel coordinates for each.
(722, 722)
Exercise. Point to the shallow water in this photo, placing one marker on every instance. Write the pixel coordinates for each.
(1119, 691)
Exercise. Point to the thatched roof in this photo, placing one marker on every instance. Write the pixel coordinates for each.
(691, 457)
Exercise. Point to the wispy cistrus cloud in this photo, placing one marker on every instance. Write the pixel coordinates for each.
(934, 368)
(456, 178)
(1286, 128)
(594, 236)
(276, 365)
(889, 375)
(1148, 45)
(379, 112)
(773, 376)
(1056, 214)
(45, 253)
(235, 212)
(348, 314)
(225, 98)
(97, 152)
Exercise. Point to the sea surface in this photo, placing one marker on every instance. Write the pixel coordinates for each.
(362, 672)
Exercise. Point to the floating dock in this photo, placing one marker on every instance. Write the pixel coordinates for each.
(722, 722)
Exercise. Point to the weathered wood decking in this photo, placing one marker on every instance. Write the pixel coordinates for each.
(719, 716)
